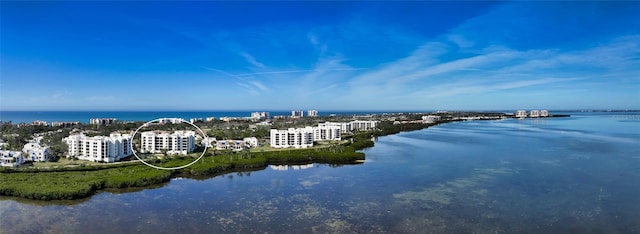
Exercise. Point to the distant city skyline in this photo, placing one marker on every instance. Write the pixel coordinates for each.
(319, 55)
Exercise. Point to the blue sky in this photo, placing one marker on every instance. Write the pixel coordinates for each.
(319, 55)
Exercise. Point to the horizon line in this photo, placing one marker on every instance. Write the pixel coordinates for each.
(319, 110)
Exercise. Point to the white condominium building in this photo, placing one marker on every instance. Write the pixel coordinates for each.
(326, 133)
(99, 148)
(178, 142)
(171, 120)
(259, 115)
(521, 114)
(303, 137)
(544, 113)
(35, 152)
(312, 113)
(297, 114)
(39, 123)
(534, 113)
(344, 127)
(103, 121)
(292, 137)
(364, 125)
(194, 120)
(430, 118)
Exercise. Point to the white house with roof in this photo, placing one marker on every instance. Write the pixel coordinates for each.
(235, 145)
(99, 148)
(10, 158)
(36, 152)
(178, 142)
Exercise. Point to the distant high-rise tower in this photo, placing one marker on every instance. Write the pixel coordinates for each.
(259, 115)
(312, 113)
(297, 114)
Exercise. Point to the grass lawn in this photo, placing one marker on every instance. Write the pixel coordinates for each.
(63, 162)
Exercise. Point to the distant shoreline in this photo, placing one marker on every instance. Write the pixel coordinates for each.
(84, 116)
(19, 116)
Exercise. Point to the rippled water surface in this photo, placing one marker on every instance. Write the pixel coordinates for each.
(579, 174)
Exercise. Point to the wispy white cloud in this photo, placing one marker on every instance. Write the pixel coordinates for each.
(223, 72)
(472, 88)
(299, 71)
(460, 40)
(250, 89)
(259, 86)
(254, 87)
(424, 74)
(251, 60)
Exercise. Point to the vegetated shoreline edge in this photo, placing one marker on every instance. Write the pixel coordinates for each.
(83, 182)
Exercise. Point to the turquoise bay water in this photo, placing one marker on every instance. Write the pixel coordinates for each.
(579, 174)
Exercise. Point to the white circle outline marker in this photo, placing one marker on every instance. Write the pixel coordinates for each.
(168, 168)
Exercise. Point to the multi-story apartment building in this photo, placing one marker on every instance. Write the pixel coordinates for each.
(178, 142)
(99, 148)
(534, 113)
(292, 137)
(521, 114)
(39, 123)
(312, 113)
(544, 113)
(430, 118)
(259, 115)
(363, 125)
(326, 133)
(297, 114)
(344, 127)
(169, 121)
(103, 121)
(64, 124)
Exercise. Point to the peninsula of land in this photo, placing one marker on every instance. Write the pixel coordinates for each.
(67, 178)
